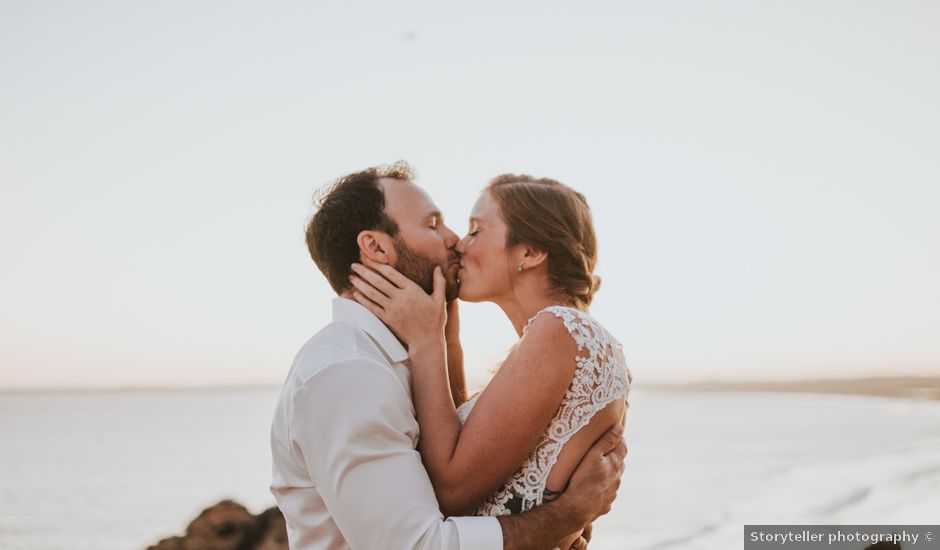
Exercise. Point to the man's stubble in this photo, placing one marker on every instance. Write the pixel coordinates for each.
(420, 269)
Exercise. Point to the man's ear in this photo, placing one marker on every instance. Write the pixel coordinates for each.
(376, 246)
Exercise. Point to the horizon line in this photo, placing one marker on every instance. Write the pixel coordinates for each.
(273, 385)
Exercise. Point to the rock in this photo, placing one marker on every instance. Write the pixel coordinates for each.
(230, 526)
(274, 533)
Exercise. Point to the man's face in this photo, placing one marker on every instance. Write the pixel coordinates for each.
(423, 241)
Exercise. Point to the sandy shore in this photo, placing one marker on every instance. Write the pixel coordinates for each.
(903, 387)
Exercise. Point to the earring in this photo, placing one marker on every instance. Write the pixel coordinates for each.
(520, 268)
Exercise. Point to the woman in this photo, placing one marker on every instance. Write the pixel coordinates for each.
(531, 250)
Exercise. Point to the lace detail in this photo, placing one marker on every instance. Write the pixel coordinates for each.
(600, 377)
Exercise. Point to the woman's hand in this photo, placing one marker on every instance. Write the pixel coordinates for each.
(416, 318)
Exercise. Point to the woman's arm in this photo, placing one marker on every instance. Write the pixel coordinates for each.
(458, 383)
(468, 464)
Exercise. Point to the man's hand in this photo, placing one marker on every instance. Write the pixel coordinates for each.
(566, 520)
(582, 541)
(593, 485)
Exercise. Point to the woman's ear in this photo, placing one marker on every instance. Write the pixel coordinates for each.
(376, 246)
(533, 257)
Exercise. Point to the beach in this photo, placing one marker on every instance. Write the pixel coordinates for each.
(119, 470)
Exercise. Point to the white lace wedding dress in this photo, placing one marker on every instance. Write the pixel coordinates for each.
(601, 376)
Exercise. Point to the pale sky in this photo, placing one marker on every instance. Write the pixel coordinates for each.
(764, 176)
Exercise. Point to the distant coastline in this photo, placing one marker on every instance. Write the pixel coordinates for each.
(137, 389)
(909, 387)
(906, 387)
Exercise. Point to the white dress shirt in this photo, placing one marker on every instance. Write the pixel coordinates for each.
(346, 470)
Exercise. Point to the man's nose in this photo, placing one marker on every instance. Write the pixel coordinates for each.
(450, 238)
(461, 247)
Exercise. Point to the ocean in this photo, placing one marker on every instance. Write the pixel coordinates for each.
(120, 470)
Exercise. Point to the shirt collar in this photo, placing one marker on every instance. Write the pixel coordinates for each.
(350, 311)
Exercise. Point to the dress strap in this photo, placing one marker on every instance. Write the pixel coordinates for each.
(563, 312)
(582, 328)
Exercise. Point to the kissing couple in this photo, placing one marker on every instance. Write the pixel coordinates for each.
(375, 444)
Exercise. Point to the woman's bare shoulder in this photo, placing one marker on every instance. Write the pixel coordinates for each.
(546, 342)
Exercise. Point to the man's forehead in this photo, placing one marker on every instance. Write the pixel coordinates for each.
(405, 199)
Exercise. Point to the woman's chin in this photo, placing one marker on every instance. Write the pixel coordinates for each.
(466, 295)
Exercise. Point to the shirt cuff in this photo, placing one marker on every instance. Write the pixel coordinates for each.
(481, 532)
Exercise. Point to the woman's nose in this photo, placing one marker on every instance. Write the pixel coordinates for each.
(461, 245)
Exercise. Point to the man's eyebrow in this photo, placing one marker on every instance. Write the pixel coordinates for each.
(435, 214)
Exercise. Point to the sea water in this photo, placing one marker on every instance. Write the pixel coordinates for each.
(120, 470)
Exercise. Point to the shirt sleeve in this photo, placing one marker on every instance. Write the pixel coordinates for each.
(354, 425)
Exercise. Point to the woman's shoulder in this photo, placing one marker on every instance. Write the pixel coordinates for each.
(546, 339)
(550, 324)
(577, 323)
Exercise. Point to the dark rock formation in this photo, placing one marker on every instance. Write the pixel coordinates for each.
(229, 526)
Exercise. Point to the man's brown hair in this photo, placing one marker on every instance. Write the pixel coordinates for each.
(348, 206)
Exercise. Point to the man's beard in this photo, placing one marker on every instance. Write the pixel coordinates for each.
(420, 269)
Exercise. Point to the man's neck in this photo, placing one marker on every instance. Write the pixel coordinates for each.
(348, 294)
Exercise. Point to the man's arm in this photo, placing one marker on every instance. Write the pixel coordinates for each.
(354, 428)
(591, 491)
(354, 432)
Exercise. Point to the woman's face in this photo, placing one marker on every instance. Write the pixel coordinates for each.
(486, 270)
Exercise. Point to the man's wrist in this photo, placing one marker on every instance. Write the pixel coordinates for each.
(569, 513)
(543, 527)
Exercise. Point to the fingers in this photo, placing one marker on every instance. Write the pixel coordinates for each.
(619, 452)
(369, 291)
(588, 530)
(609, 441)
(375, 279)
(389, 273)
(580, 544)
(369, 304)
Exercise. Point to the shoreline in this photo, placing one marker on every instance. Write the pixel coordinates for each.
(925, 388)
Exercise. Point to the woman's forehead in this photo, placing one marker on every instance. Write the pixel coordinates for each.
(485, 208)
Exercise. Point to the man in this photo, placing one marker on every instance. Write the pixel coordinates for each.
(344, 436)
